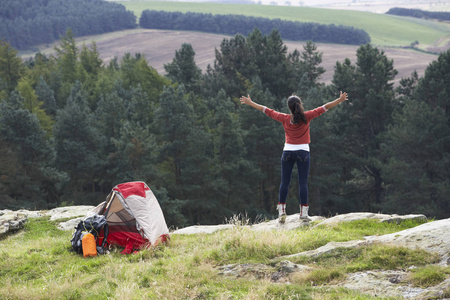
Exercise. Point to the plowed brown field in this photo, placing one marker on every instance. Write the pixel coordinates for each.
(159, 48)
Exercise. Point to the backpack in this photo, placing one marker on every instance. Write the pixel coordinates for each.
(93, 224)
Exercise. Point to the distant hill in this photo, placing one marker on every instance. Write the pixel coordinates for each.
(385, 30)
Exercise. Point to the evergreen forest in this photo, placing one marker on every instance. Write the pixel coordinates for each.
(73, 126)
(27, 23)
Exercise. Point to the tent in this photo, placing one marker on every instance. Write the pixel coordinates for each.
(134, 217)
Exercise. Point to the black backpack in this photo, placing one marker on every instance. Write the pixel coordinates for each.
(94, 225)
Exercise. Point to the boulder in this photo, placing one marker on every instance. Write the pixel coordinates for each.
(289, 267)
(70, 225)
(251, 270)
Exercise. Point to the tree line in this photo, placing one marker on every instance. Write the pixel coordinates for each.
(27, 23)
(421, 14)
(72, 127)
(240, 24)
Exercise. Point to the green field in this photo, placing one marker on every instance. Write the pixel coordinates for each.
(384, 30)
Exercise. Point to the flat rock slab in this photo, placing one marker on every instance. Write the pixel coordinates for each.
(371, 216)
(292, 222)
(202, 229)
(68, 212)
(329, 247)
(394, 284)
(433, 236)
(383, 284)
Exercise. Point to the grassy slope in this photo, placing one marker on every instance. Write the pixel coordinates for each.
(36, 264)
(385, 30)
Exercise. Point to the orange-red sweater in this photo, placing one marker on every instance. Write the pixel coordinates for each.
(295, 134)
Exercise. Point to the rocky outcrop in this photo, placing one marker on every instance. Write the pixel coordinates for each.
(292, 222)
(371, 216)
(430, 236)
(433, 237)
(11, 221)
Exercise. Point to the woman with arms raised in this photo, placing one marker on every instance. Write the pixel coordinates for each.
(296, 147)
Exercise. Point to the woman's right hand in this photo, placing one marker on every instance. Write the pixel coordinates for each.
(247, 100)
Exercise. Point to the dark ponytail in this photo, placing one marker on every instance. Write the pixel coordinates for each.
(296, 107)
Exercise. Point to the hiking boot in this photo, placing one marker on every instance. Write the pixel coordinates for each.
(304, 213)
(281, 212)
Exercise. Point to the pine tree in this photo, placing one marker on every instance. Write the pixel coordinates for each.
(31, 178)
(67, 56)
(77, 142)
(183, 69)
(174, 120)
(11, 67)
(363, 123)
(32, 103)
(418, 147)
(46, 96)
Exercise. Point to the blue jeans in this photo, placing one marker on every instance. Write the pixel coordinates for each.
(288, 159)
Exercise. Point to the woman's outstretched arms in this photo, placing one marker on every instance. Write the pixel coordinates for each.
(247, 100)
(342, 98)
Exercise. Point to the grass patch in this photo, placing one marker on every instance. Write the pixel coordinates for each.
(373, 257)
(429, 276)
(385, 30)
(243, 244)
(37, 264)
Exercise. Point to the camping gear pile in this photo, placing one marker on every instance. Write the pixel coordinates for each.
(86, 234)
(132, 218)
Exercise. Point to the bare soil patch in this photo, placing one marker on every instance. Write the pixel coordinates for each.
(159, 46)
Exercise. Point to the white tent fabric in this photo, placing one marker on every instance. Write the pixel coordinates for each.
(133, 204)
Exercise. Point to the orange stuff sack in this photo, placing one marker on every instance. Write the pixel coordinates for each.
(89, 245)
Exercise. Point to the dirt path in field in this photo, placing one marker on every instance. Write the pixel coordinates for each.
(159, 48)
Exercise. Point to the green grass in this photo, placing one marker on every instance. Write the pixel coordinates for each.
(429, 276)
(384, 30)
(37, 264)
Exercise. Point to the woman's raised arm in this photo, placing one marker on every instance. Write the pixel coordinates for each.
(342, 98)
